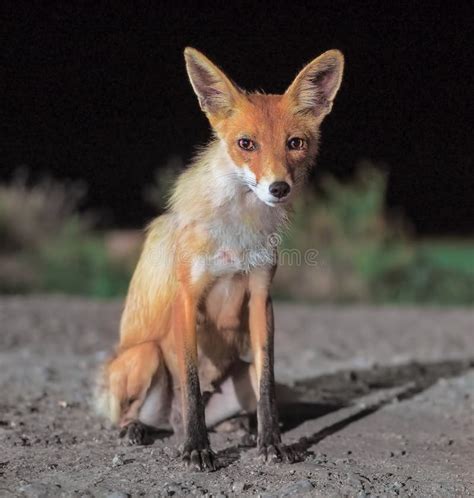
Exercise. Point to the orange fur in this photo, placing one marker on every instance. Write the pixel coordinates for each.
(272, 158)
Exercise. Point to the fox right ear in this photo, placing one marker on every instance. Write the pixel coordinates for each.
(215, 92)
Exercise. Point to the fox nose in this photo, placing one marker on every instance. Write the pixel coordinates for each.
(279, 189)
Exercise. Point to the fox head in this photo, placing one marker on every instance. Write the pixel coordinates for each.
(271, 139)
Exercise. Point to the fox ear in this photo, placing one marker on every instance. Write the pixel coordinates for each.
(315, 87)
(215, 92)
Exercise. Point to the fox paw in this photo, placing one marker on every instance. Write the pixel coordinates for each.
(274, 453)
(204, 459)
(135, 433)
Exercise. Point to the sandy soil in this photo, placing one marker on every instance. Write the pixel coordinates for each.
(385, 407)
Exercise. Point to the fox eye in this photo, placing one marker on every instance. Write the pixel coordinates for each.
(296, 143)
(247, 144)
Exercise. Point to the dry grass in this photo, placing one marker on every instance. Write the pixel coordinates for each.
(30, 215)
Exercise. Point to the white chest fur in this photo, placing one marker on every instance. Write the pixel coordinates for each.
(241, 228)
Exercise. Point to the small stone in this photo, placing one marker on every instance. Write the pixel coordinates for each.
(172, 489)
(39, 490)
(396, 487)
(239, 487)
(296, 488)
(117, 461)
(354, 481)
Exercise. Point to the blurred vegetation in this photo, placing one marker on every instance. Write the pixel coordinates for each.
(46, 245)
(366, 254)
(363, 254)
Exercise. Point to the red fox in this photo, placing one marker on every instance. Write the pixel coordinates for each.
(199, 299)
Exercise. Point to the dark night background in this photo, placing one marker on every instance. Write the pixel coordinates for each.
(100, 93)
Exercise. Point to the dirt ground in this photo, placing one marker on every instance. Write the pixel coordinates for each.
(384, 407)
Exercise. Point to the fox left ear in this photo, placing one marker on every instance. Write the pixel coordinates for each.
(316, 86)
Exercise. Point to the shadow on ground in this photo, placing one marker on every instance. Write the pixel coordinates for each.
(312, 398)
(335, 391)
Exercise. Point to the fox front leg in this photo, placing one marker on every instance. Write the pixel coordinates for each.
(269, 443)
(196, 449)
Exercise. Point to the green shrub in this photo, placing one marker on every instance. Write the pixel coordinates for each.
(426, 279)
(46, 245)
(78, 263)
(366, 255)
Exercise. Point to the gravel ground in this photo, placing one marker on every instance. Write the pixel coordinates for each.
(384, 407)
